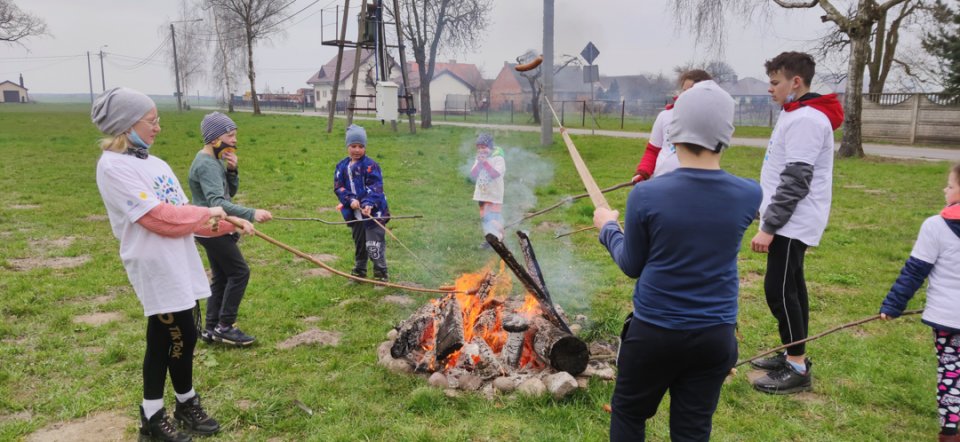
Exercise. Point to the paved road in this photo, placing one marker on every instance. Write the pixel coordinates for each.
(882, 150)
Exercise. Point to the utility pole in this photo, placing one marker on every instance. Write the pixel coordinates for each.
(176, 68)
(90, 76)
(546, 117)
(103, 79)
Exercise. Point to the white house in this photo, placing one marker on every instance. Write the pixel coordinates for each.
(11, 92)
(455, 86)
(322, 81)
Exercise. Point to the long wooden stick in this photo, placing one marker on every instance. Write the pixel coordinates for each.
(582, 229)
(566, 200)
(818, 336)
(595, 195)
(338, 272)
(281, 218)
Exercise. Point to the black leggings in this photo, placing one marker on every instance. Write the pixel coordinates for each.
(786, 291)
(171, 338)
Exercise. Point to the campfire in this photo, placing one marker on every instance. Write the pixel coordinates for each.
(484, 337)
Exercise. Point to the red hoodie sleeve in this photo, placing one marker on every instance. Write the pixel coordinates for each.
(648, 162)
(176, 221)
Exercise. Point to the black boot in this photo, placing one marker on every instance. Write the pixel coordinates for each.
(193, 417)
(159, 428)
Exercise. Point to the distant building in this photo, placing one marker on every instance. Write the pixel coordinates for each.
(322, 81)
(13, 93)
(454, 87)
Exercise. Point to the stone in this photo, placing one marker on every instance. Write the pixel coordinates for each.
(400, 366)
(392, 334)
(560, 384)
(383, 351)
(505, 384)
(575, 328)
(606, 373)
(583, 382)
(437, 379)
(532, 387)
(470, 382)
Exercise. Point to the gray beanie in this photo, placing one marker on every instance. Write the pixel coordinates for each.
(703, 115)
(485, 139)
(356, 135)
(215, 125)
(116, 110)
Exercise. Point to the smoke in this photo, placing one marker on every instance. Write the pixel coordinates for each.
(525, 172)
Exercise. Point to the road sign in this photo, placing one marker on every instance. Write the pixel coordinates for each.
(591, 73)
(590, 52)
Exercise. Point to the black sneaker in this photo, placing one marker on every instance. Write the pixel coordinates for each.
(206, 335)
(772, 363)
(230, 334)
(785, 381)
(358, 274)
(381, 276)
(194, 418)
(159, 428)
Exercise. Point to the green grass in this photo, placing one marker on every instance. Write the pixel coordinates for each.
(872, 383)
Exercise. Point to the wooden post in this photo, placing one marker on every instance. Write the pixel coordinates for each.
(623, 108)
(915, 118)
(336, 76)
(583, 115)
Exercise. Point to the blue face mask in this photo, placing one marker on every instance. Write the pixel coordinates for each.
(134, 138)
(791, 98)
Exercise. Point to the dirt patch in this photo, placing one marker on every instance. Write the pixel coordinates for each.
(549, 226)
(326, 209)
(322, 273)
(108, 426)
(103, 299)
(93, 350)
(809, 397)
(50, 244)
(244, 404)
(97, 218)
(854, 186)
(312, 336)
(753, 375)
(63, 262)
(750, 279)
(24, 415)
(398, 299)
(23, 206)
(325, 257)
(97, 319)
(311, 319)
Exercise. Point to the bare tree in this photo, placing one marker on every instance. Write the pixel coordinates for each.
(718, 69)
(430, 26)
(228, 58)
(16, 25)
(856, 24)
(257, 20)
(191, 47)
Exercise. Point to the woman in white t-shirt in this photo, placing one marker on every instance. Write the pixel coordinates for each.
(149, 214)
(936, 255)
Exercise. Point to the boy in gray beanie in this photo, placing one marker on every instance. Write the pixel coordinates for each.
(214, 180)
(358, 184)
(682, 235)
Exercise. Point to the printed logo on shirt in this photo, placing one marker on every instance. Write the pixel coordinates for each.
(167, 190)
(143, 196)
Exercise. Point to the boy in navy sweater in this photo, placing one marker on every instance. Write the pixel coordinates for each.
(681, 240)
(358, 183)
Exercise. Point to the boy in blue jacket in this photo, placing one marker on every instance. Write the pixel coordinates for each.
(358, 183)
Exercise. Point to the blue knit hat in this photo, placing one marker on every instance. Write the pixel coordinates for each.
(356, 135)
(214, 125)
(485, 139)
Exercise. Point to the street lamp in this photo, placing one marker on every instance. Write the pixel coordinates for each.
(103, 79)
(176, 68)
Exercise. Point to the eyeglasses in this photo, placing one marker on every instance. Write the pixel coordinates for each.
(154, 123)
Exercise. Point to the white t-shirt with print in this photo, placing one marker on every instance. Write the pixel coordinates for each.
(801, 136)
(938, 245)
(667, 160)
(166, 273)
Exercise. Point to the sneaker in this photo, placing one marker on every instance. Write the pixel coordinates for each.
(230, 334)
(772, 363)
(785, 381)
(194, 418)
(381, 276)
(358, 274)
(206, 335)
(159, 428)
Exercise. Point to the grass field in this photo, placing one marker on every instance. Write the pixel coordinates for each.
(871, 383)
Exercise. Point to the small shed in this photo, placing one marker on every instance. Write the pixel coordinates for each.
(11, 92)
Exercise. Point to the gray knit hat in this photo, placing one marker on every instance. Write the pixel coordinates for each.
(703, 115)
(116, 110)
(214, 125)
(356, 135)
(485, 139)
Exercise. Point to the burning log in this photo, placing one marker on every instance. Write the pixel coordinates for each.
(563, 350)
(450, 329)
(513, 349)
(532, 265)
(488, 362)
(529, 282)
(410, 333)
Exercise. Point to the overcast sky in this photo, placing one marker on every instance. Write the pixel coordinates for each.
(633, 36)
